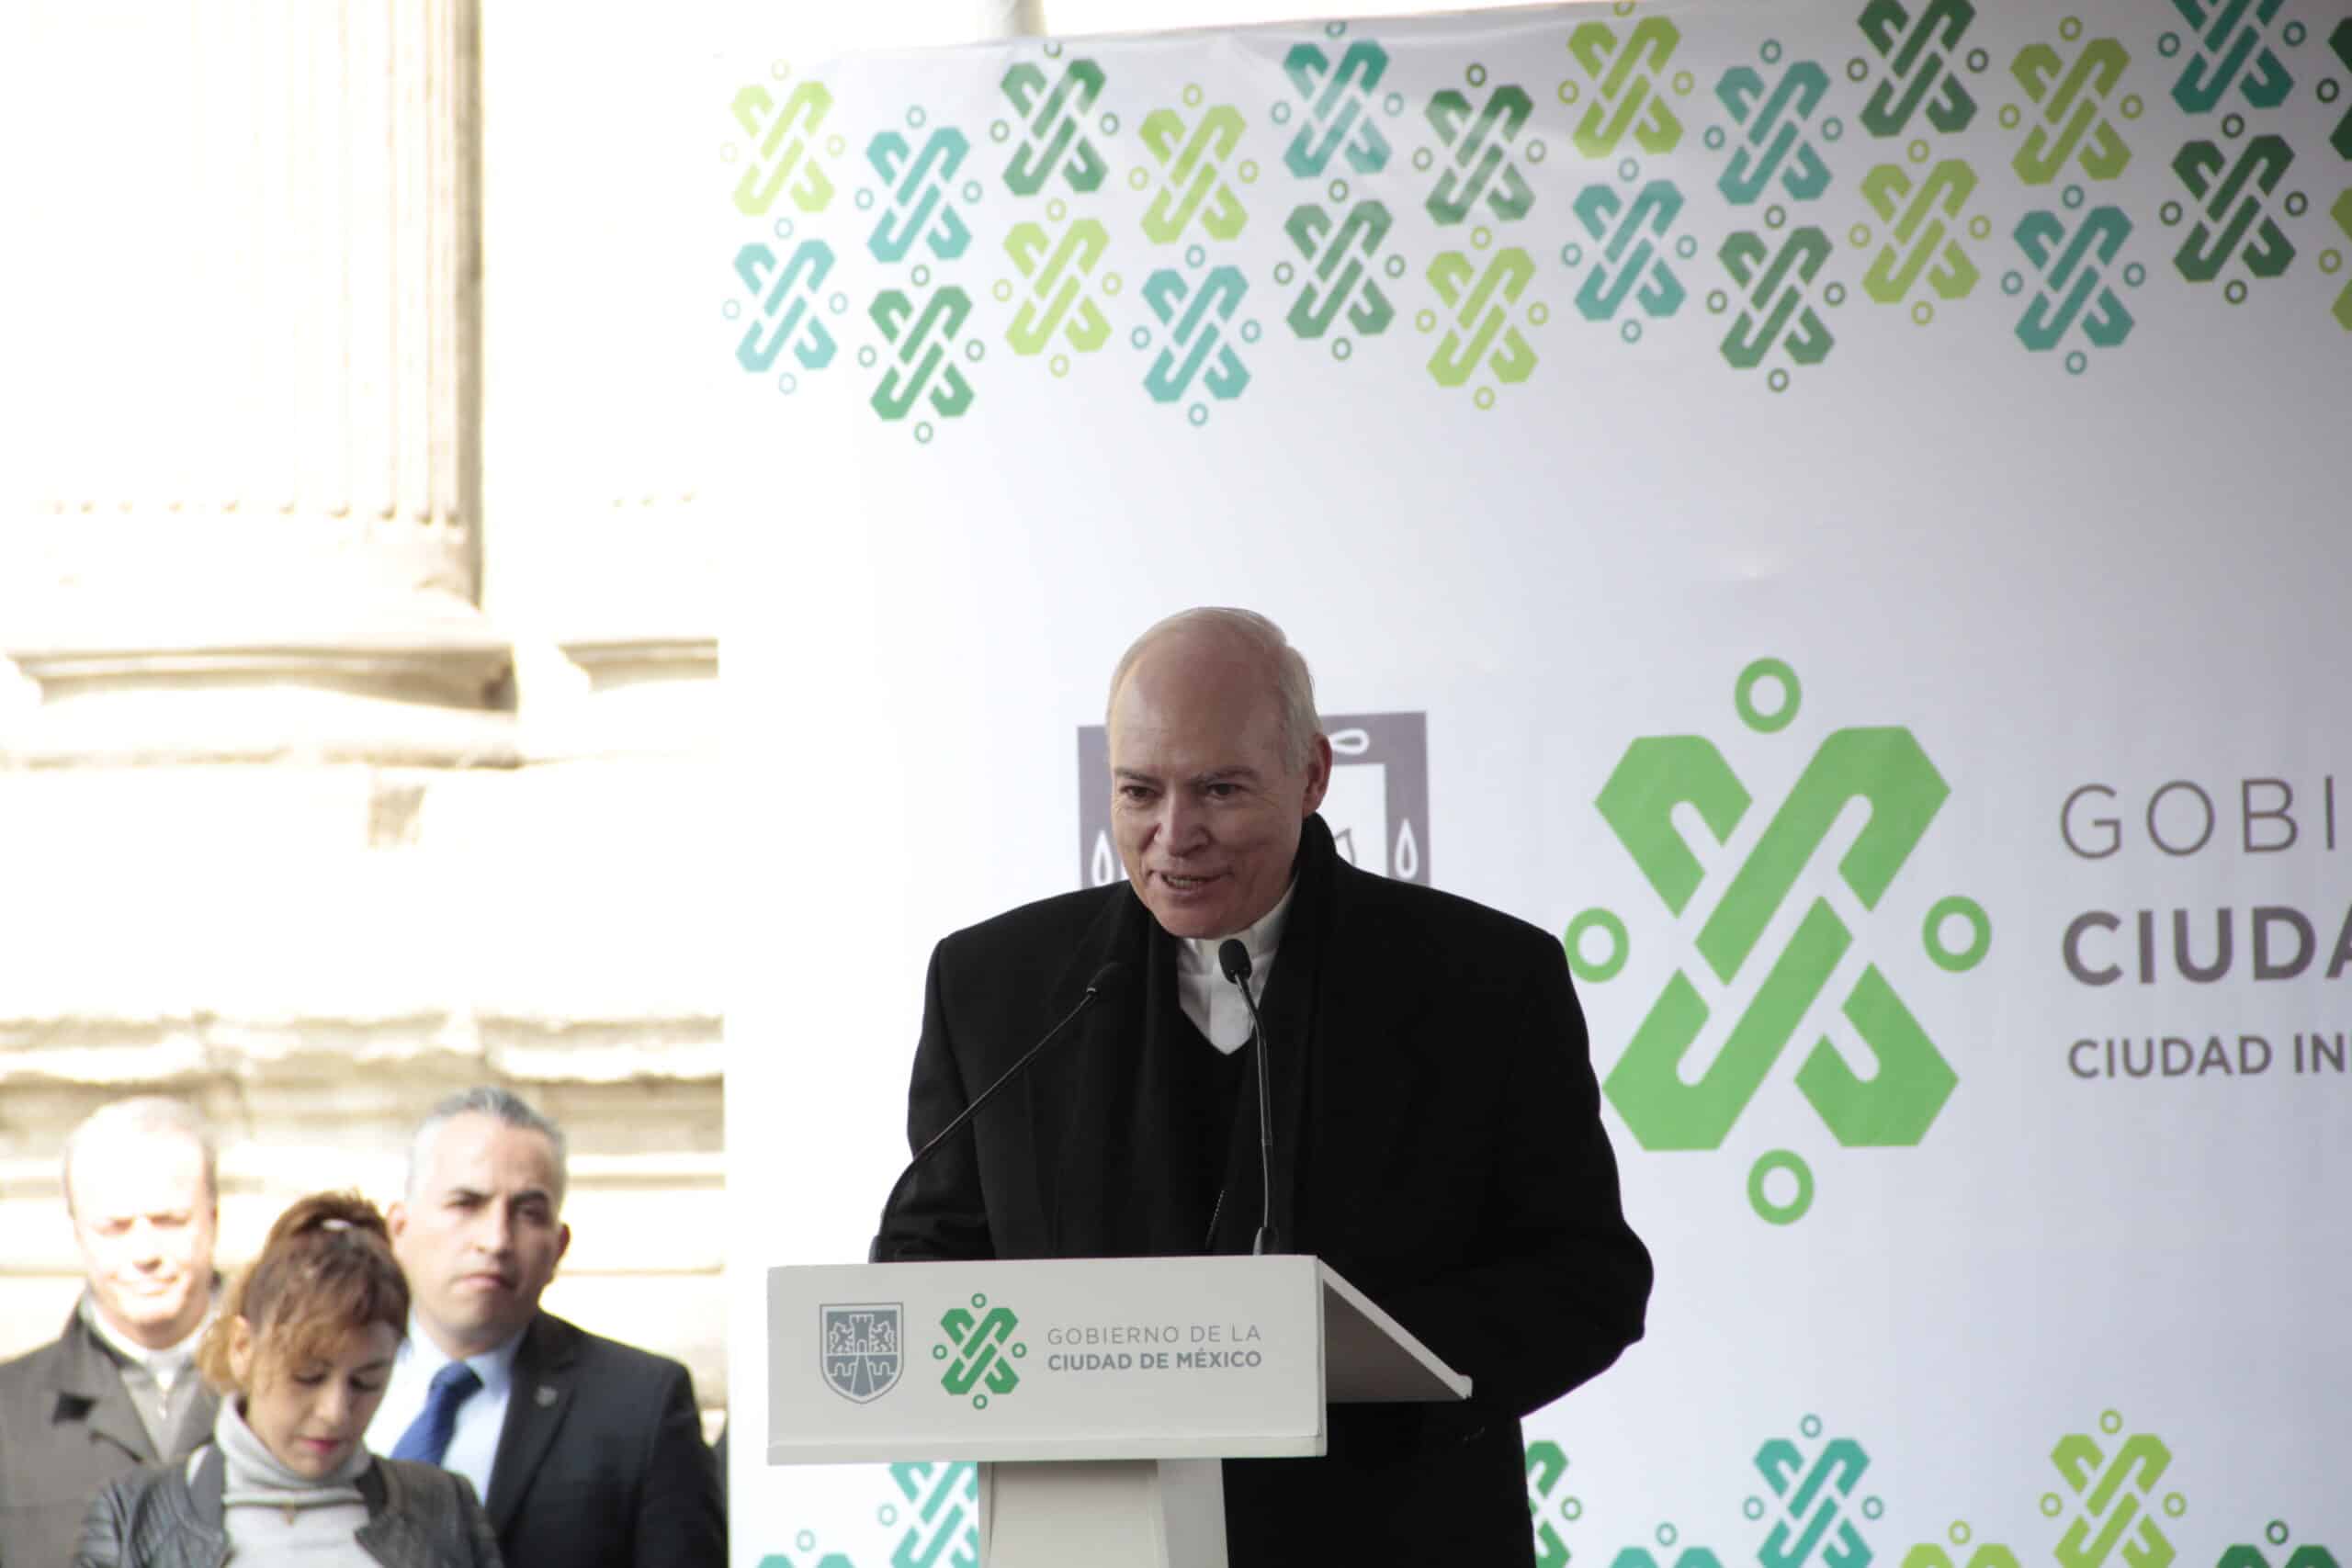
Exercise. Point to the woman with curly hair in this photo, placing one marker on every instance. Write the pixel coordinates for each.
(299, 1351)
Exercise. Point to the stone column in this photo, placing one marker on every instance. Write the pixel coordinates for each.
(250, 424)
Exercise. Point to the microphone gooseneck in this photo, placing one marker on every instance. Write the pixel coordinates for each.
(1106, 979)
(1233, 958)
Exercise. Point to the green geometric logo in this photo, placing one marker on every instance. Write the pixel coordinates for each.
(2078, 276)
(2113, 1485)
(2071, 99)
(784, 297)
(1625, 75)
(1932, 1554)
(1338, 106)
(1813, 1495)
(1481, 142)
(1483, 332)
(2331, 260)
(2231, 52)
(1056, 269)
(2234, 221)
(1883, 769)
(980, 1351)
(2245, 1555)
(2340, 43)
(941, 1513)
(1195, 306)
(921, 191)
(1773, 144)
(1548, 1466)
(1192, 162)
(1052, 130)
(1923, 212)
(1629, 251)
(1776, 310)
(923, 328)
(785, 160)
(1340, 252)
(1917, 52)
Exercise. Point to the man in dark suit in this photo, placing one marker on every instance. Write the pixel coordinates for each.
(1434, 1107)
(586, 1451)
(118, 1387)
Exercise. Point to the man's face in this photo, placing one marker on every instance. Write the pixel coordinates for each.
(478, 1235)
(144, 1220)
(1206, 806)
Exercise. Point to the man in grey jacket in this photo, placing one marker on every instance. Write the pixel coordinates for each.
(118, 1387)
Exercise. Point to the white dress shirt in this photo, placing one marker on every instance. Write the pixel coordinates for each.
(473, 1445)
(1213, 1003)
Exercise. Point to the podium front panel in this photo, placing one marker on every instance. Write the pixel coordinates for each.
(1161, 1357)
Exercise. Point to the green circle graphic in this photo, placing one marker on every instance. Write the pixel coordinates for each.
(1786, 1213)
(1743, 696)
(1620, 946)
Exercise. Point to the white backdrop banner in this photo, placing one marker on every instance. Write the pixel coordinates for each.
(1837, 510)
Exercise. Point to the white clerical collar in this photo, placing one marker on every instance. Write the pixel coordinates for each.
(1211, 1001)
(494, 1366)
(165, 1365)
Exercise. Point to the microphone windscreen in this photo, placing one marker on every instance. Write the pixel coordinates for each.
(1109, 979)
(1234, 959)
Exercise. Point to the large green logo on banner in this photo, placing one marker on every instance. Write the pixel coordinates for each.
(1882, 768)
(980, 1351)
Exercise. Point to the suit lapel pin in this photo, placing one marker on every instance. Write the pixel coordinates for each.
(547, 1395)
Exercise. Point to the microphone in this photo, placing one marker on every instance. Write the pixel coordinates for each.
(1108, 978)
(1234, 959)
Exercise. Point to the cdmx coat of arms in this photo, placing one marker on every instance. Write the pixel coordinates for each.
(860, 1348)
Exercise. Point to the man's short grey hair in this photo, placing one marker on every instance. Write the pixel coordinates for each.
(145, 1115)
(1294, 686)
(487, 1099)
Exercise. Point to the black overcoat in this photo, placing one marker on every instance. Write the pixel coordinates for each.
(1442, 1148)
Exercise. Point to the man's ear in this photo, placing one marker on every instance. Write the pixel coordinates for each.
(396, 1219)
(1318, 771)
(562, 1246)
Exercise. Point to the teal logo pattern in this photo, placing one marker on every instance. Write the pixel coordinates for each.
(1633, 249)
(1197, 340)
(918, 193)
(1915, 50)
(2232, 50)
(784, 298)
(1812, 1508)
(1335, 109)
(1001, 225)
(936, 1513)
(1883, 766)
(2074, 278)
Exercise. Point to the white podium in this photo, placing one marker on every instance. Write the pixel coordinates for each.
(1098, 1395)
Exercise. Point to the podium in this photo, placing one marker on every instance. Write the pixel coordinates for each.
(1098, 1396)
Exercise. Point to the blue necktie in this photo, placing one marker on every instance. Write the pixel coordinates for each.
(427, 1437)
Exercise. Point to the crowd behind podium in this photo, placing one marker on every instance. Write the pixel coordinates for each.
(374, 1388)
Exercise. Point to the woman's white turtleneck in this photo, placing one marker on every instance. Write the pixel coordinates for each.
(276, 1516)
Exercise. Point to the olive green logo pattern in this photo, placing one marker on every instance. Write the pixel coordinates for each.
(1883, 767)
(2112, 178)
(2111, 1502)
(980, 1351)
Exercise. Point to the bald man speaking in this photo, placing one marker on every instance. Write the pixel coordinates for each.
(1432, 1091)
